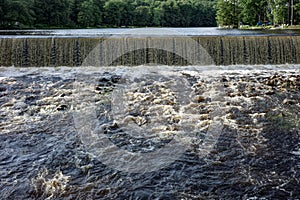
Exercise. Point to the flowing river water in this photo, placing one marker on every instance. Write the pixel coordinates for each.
(172, 125)
(255, 154)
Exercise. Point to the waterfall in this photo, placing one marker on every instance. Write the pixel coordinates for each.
(182, 50)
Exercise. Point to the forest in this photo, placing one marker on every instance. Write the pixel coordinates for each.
(257, 12)
(18, 14)
(106, 13)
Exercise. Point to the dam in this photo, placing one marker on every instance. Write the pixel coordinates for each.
(89, 115)
(164, 50)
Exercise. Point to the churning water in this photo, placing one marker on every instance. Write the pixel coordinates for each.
(157, 120)
(83, 133)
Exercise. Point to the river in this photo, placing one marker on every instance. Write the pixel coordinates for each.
(212, 31)
(149, 131)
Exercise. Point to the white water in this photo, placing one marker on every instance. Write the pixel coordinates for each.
(42, 151)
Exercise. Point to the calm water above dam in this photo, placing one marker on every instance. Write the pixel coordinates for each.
(176, 116)
(143, 31)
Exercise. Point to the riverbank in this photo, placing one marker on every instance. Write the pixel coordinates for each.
(246, 27)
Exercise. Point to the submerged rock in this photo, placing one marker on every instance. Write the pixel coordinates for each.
(62, 107)
(290, 101)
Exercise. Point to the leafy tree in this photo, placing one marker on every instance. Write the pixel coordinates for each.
(228, 12)
(53, 12)
(279, 11)
(186, 11)
(2, 14)
(171, 13)
(297, 11)
(114, 10)
(142, 15)
(15, 13)
(89, 14)
(178, 13)
(204, 14)
(75, 9)
(253, 11)
(156, 13)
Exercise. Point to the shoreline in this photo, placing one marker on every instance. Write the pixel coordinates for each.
(245, 27)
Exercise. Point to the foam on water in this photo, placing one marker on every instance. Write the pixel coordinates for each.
(254, 153)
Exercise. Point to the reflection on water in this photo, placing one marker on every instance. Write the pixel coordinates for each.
(256, 156)
(145, 31)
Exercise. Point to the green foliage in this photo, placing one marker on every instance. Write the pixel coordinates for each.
(144, 14)
(169, 18)
(157, 15)
(52, 12)
(297, 12)
(251, 12)
(204, 14)
(89, 14)
(16, 13)
(176, 13)
(115, 12)
(93, 13)
(279, 11)
(228, 12)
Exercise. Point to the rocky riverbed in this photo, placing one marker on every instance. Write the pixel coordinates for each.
(235, 133)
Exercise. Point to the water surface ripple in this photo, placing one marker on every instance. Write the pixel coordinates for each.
(257, 156)
(106, 32)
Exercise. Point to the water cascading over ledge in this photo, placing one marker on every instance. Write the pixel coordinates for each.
(224, 50)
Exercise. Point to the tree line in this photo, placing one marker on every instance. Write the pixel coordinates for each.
(253, 12)
(106, 13)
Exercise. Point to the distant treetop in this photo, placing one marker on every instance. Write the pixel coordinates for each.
(106, 13)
